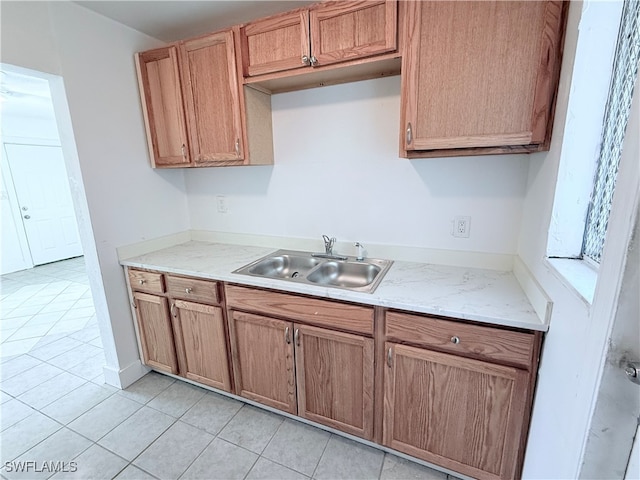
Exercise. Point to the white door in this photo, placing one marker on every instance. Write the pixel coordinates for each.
(44, 198)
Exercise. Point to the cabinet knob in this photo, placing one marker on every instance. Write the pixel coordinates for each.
(141, 281)
(313, 60)
(409, 134)
(455, 339)
(188, 290)
(305, 60)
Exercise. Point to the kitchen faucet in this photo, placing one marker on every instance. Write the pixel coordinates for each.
(328, 249)
(328, 244)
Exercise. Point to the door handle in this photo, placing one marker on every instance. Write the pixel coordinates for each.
(632, 369)
(27, 217)
(25, 208)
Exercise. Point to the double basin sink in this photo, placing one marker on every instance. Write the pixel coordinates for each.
(319, 269)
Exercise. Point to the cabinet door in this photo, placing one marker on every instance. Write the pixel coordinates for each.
(201, 344)
(275, 44)
(156, 333)
(462, 414)
(479, 73)
(335, 379)
(164, 117)
(347, 30)
(212, 99)
(262, 350)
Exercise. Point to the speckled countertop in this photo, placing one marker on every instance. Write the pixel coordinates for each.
(480, 295)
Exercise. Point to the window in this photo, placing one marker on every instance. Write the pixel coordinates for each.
(623, 77)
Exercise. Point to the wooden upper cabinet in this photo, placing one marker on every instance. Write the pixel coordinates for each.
(275, 44)
(480, 75)
(463, 414)
(345, 30)
(159, 77)
(328, 33)
(212, 100)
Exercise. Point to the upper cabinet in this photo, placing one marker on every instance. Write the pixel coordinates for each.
(159, 79)
(197, 112)
(327, 33)
(211, 97)
(479, 77)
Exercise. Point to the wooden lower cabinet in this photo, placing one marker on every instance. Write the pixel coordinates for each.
(330, 381)
(463, 414)
(335, 379)
(201, 344)
(263, 360)
(155, 331)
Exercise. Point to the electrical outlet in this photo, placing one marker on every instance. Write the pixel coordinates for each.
(461, 226)
(221, 201)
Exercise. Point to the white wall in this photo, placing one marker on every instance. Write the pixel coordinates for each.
(573, 348)
(337, 172)
(126, 201)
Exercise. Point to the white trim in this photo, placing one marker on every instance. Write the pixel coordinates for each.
(147, 246)
(126, 376)
(593, 62)
(539, 299)
(576, 274)
(44, 142)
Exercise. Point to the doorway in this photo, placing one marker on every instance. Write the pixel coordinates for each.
(38, 220)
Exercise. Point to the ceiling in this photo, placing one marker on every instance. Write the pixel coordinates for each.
(24, 95)
(177, 20)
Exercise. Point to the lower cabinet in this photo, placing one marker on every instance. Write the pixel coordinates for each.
(263, 360)
(329, 382)
(455, 394)
(179, 336)
(463, 414)
(201, 344)
(156, 334)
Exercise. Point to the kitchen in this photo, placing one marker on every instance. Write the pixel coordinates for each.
(398, 202)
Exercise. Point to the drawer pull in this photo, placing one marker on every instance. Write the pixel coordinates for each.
(455, 339)
(173, 310)
(389, 357)
(141, 282)
(188, 290)
(287, 337)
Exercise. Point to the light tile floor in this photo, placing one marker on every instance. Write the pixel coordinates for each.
(55, 407)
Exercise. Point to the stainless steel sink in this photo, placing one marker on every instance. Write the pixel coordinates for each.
(303, 267)
(345, 274)
(283, 266)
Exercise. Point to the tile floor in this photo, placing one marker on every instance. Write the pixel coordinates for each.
(55, 407)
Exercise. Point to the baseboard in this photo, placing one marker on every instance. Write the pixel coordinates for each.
(126, 376)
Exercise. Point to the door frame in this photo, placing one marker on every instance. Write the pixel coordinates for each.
(608, 441)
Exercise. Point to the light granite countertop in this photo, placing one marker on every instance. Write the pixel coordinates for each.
(488, 296)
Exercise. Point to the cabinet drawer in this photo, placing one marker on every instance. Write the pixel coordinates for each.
(318, 312)
(146, 281)
(205, 291)
(486, 343)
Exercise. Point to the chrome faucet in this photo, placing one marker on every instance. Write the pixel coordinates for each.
(328, 249)
(328, 244)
